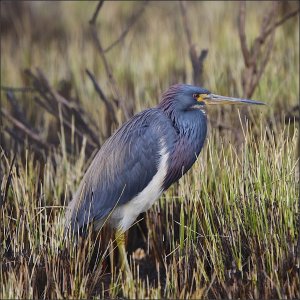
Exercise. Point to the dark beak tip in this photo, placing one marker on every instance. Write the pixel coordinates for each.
(253, 102)
(263, 103)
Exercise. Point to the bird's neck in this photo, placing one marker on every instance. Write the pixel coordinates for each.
(187, 123)
(191, 129)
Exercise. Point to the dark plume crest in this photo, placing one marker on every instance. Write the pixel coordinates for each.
(172, 91)
(168, 96)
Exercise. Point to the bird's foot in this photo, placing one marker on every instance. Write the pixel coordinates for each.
(124, 264)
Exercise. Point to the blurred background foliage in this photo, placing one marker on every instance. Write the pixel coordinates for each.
(56, 38)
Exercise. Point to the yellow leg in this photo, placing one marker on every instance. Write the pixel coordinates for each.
(120, 238)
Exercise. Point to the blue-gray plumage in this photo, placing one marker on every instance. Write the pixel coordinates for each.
(143, 158)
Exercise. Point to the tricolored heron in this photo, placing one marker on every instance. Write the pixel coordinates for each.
(142, 159)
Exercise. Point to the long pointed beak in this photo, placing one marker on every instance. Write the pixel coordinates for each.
(218, 99)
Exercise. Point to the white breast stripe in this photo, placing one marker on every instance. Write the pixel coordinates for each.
(124, 215)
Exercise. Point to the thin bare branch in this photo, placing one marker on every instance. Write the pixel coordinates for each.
(280, 22)
(260, 40)
(17, 112)
(14, 134)
(60, 99)
(197, 61)
(8, 181)
(100, 93)
(185, 23)
(108, 70)
(110, 109)
(262, 65)
(256, 58)
(242, 34)
(45, 105)
(130, 24)
(96, 12)
(18, 89)
(32, 135)
(198, 75)
(69, 108)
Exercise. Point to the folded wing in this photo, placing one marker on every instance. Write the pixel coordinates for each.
(122, 168)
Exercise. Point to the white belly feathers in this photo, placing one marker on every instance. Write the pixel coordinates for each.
(124, 215)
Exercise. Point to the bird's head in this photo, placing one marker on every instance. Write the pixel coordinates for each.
(184, 97)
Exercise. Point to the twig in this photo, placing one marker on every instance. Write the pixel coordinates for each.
(1, 128)
(99, 91)
(255, 59)
(32, 135)
(281, 21)
(44, 105)
(268, 20)
(197, 61)
(242, 34)
(53, 99)
(13, 133)
(8, 181)
(18, 89)
(95, 15)
(108, 70)
(60, 99)
(109, 73)
(16, 110)
(185, 23)
(43, 88)
(108, 105)
(102, 96)
(131, 22)
(263, 64)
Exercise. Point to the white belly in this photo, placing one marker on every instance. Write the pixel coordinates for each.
(124, 215)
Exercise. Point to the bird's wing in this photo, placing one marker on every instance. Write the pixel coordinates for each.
(122, 168)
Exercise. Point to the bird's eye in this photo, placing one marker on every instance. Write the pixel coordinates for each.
(195, 96)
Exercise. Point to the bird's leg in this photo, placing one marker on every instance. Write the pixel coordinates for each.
(120, 238)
